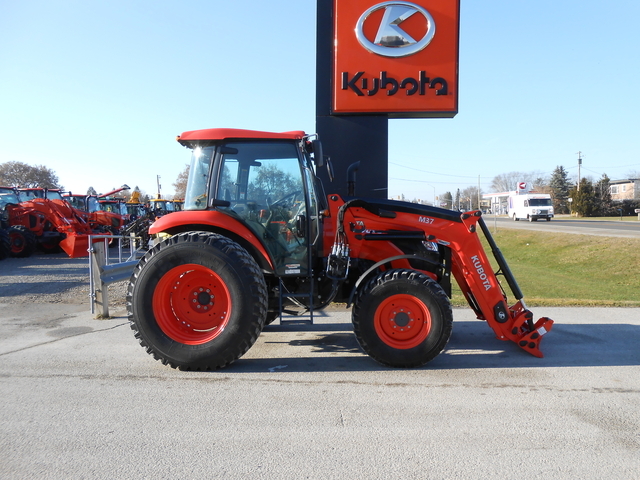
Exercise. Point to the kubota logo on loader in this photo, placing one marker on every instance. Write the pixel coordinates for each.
(480, 269)
(395, 57)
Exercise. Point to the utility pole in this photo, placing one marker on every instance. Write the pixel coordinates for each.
(579, 165)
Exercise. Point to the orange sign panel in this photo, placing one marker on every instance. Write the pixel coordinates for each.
(396, 58)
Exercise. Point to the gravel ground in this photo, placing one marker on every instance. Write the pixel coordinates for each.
(51, 278)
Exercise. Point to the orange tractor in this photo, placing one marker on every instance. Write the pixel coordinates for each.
(258, 238)
(43, 218)
(103, 214)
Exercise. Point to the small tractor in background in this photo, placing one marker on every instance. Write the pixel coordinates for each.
(104, 215)
(43, 219)
(111, 213)
(160, 206)
(258, 238)
(8, 198)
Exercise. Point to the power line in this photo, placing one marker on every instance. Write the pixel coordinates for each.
(430, 181)
(435, 173)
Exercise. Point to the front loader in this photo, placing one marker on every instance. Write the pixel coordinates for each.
(48, 220)
(258, 239)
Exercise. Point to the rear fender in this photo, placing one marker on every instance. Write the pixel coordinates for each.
(214, 221)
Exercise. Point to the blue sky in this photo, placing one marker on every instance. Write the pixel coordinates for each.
(98, 91)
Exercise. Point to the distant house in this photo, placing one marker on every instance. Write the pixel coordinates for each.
(627, 189)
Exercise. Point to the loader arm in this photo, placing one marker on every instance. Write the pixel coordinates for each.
(372, 229)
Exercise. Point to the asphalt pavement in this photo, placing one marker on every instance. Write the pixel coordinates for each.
(568, 224)
(81, 399)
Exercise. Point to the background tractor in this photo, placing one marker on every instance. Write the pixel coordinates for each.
(259, 239)
(43, 218)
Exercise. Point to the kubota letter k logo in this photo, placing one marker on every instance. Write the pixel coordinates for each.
(391, 40)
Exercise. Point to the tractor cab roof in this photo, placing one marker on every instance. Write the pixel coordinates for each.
(212, 134)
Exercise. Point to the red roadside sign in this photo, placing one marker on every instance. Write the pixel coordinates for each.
(396, 58)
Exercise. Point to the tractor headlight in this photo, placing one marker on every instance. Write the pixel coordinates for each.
(156, 238)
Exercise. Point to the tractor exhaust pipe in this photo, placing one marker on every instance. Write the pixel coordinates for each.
(351, 178)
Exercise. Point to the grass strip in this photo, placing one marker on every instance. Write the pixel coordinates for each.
(555, 269)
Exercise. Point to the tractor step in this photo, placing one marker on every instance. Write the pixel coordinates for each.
(308, 295)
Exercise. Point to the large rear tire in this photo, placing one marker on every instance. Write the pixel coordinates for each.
(402, 318)
(197, 301)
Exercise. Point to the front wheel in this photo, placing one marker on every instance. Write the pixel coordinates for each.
(197, 301)
(5, 245)
(23, 241)
(402, 318)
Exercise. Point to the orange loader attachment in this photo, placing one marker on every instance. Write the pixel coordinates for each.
(75, 245)
(470, 265)
(473, 274)
(78, 245)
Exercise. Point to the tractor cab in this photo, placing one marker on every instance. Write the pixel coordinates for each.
(28, 194)
(268, 185)
(8, 196)
(160, 206)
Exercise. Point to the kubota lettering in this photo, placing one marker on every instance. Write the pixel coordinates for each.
(480, 269)
(411, 86)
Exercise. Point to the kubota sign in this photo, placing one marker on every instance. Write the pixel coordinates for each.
(396, 58)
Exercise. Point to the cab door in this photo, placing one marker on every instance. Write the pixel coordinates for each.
(263, 183)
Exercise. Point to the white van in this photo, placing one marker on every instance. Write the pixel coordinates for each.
(531, 206)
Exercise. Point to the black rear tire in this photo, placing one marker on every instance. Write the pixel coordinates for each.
(197, 301)
(23, 241)
(402, 318)
(5, 245)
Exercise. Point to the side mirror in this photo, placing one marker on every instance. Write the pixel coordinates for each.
(317, 152)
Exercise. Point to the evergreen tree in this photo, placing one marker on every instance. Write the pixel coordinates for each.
(448, 199)
(604, 204)
(559, 185)
(584, 200)
(456, 203)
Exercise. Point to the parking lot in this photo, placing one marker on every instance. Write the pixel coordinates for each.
(81, 398)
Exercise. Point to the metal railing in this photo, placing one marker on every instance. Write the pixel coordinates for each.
(102, 273)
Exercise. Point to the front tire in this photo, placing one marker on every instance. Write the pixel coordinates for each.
(402, 318)
(5, 245)
(197, 301)
(23, 241)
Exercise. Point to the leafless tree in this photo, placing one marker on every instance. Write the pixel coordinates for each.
(180, 185)
(20, 174)
(506, 182)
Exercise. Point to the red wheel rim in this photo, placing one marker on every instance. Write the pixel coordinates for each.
(191, 304)
(402, 321)
(18, 243)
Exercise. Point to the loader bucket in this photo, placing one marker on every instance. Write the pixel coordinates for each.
(76, 246)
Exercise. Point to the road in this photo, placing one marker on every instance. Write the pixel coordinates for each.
(606, 228)
(81, 399)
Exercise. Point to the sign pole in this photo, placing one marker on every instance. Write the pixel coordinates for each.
(377, 60)
(349, 138)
